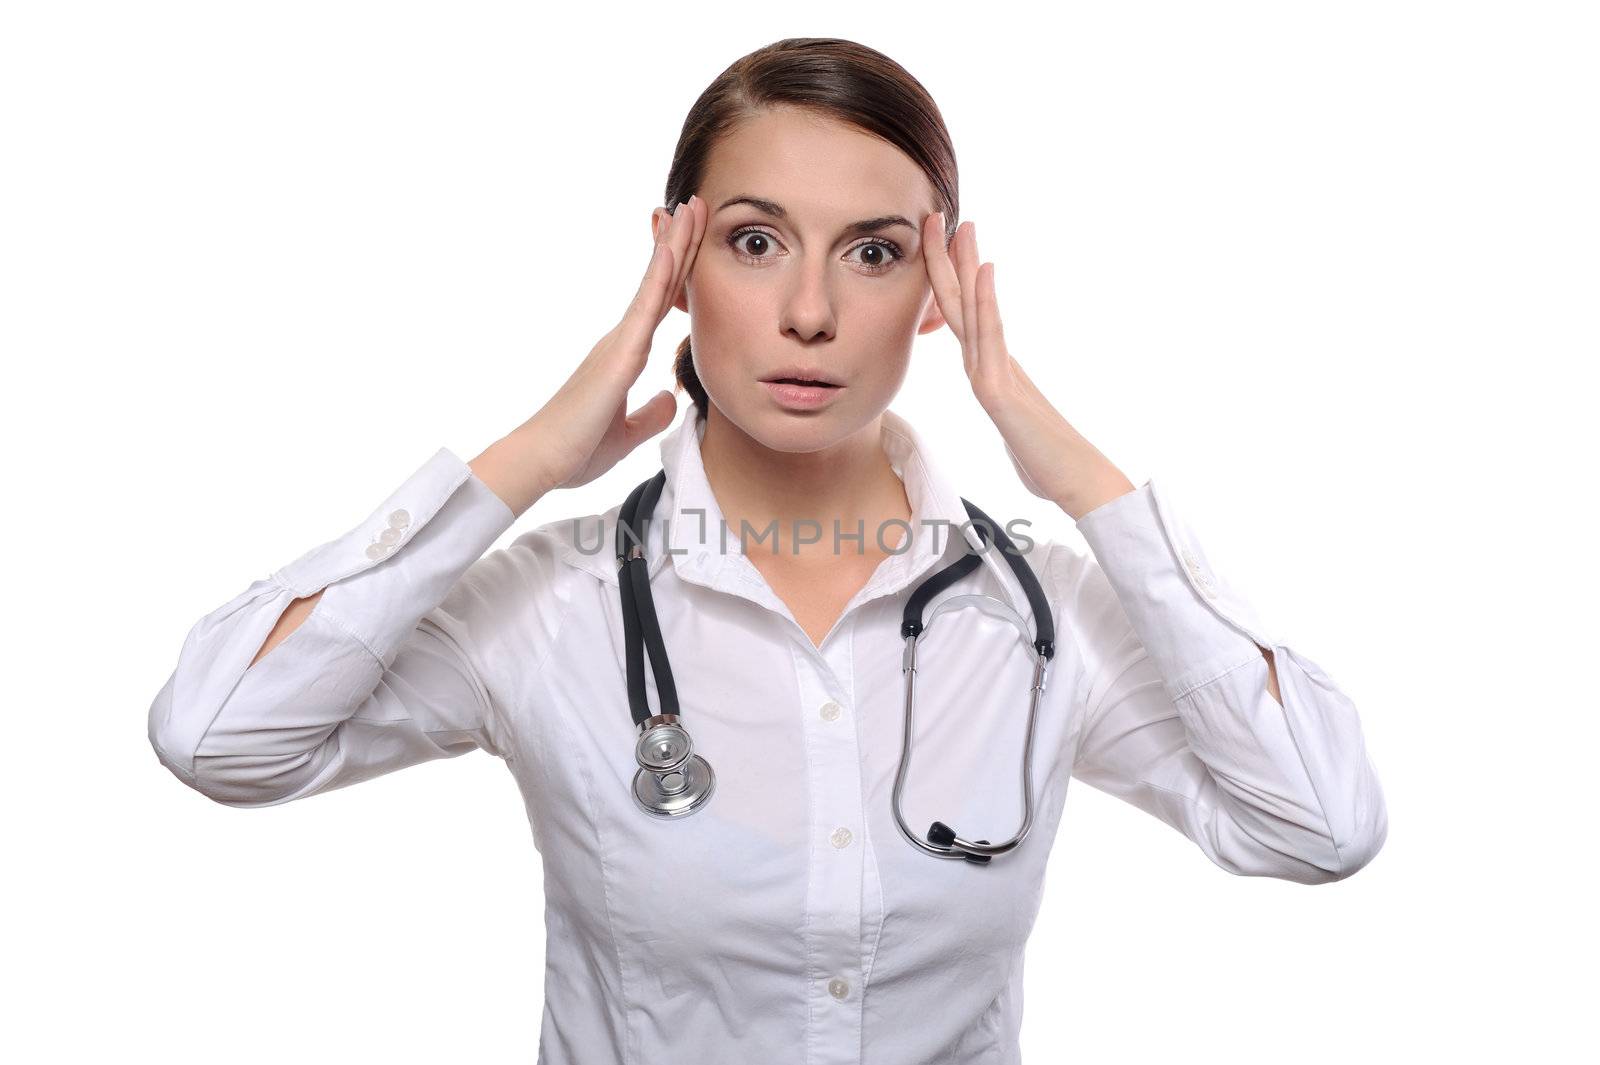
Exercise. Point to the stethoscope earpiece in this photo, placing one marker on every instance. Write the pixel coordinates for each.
(942, 835)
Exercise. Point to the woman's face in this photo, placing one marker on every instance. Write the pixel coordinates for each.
(784, 280)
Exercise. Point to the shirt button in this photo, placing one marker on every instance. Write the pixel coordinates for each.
(830, 711)
(390, 535)
(377, 550)
(399, 520)
(841, 837)
(838, 988)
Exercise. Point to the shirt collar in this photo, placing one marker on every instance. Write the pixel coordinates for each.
(688, 525)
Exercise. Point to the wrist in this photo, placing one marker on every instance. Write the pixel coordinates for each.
(1098, 491)
(509, 468)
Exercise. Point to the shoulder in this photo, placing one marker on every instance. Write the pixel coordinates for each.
(1084, 603)
(529, 585)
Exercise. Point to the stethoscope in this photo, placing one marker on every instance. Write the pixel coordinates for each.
(673, 781)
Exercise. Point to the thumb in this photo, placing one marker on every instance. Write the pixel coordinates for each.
(652, 418)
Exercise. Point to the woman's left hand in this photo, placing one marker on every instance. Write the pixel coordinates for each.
(1054, 461)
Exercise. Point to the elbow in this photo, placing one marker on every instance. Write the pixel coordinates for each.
(249, 780)
(170, 737)
(1365, 829)
(1295, 851)
(1357, 853)
(239, 770)
(237, 786)
(1352, 854)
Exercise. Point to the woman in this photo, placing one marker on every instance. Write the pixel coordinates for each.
(786, 918)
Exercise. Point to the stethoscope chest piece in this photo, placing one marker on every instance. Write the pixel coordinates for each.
(671, 780)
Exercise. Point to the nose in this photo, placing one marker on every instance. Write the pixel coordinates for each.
(808, 304)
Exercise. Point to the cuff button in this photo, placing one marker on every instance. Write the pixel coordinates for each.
(399, 519)
(377, 550)
(390, 536)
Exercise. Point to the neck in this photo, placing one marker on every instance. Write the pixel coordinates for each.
(851, 482)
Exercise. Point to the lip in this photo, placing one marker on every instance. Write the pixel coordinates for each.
(802, 397)
(797, 372)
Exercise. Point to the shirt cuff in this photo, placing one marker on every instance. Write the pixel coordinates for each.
(1194, 625)
(385, 574)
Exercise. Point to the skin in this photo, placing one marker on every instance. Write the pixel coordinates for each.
(767, 292)
(804, 291)
(809, 295)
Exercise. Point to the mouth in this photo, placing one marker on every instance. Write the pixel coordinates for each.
(803, 376)
(801, 393)
(802, 382)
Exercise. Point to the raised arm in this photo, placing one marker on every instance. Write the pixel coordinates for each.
(1180, 720)
(357, 658)
(374, 676)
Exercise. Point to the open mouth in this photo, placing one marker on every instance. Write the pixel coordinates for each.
(801, 382)
(798, 393)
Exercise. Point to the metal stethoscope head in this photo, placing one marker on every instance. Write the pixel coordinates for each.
(673, 781)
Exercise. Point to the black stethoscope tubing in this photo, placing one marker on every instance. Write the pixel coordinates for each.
(664, 751)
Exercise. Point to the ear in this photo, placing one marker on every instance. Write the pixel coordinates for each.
(660, 219)
(932, 317)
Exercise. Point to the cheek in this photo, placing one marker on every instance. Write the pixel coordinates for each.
(725, 317)
(721, 304)
(887, 323)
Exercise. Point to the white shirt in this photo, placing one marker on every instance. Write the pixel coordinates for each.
(788, 920)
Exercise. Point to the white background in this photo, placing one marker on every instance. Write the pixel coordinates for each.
(1327, 270)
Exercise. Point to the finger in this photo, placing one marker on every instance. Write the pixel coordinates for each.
(648, 307)
(941, 274)
(990, 333)
(967, 272)
(700, 218)
(652, 417)
(679, 237)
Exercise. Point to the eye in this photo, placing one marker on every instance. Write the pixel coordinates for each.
(754, 250)
(753, 245)
(878, 263)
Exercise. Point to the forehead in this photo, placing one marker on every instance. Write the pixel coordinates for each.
(817, 167)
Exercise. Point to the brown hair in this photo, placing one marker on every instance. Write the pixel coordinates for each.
(837, 78)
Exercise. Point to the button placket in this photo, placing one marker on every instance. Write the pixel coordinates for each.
(837, 859)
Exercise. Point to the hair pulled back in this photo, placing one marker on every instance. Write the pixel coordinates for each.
(833, 77)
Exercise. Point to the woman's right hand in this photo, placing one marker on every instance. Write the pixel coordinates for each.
(585, 428)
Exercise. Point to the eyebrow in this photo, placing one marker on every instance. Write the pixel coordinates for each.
(866, 225)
